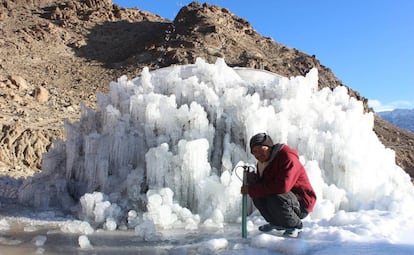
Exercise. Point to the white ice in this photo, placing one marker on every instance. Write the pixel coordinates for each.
(162, 153)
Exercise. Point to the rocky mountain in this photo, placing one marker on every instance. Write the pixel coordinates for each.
(403, 118)
(56, 55)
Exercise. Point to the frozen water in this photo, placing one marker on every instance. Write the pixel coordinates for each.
(162, 153)
(39, 240)
(4, 225)
(84, 242)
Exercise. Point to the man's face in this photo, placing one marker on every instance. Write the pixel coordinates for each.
(261, 152)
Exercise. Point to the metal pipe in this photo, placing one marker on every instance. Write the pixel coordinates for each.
(244, 204)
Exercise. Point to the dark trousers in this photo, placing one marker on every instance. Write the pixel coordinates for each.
(281, 210)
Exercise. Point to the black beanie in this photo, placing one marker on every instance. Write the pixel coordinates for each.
(260, 139)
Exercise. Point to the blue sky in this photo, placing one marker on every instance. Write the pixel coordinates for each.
(368, 44)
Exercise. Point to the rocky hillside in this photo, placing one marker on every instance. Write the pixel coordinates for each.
(56, 55)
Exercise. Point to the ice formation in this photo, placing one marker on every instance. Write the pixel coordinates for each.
(163, 149)
(84, 242)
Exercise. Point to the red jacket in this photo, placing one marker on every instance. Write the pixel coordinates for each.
(285, 173)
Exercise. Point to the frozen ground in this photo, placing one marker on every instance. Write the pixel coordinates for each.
(48, 233)
(154, 171)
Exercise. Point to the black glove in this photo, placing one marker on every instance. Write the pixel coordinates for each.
(252, 178)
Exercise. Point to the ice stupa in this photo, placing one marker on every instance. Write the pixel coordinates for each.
(165, 148)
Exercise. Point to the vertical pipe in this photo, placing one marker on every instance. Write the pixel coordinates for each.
(244, 204)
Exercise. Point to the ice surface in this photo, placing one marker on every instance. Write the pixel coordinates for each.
(216, 244)
(162, 152)
(84, 242)
(39, 240)
(4, 225)
(82, 227)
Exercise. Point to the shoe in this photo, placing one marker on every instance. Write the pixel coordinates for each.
(266, 228)
(269, 227)
(292, 232)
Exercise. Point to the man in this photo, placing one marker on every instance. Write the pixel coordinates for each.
(280, 189)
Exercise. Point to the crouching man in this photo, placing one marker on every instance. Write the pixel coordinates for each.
(280, 189)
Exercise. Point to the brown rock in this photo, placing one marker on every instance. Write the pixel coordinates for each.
(41, 94)
(19, 81)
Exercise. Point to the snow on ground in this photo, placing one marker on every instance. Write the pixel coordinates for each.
(155, 170)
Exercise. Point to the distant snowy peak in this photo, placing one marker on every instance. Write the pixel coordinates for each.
(403, 118)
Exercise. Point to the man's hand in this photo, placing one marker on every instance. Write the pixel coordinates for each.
(251, 177)
(244, 190)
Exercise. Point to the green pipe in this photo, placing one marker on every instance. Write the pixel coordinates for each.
(244, 205)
